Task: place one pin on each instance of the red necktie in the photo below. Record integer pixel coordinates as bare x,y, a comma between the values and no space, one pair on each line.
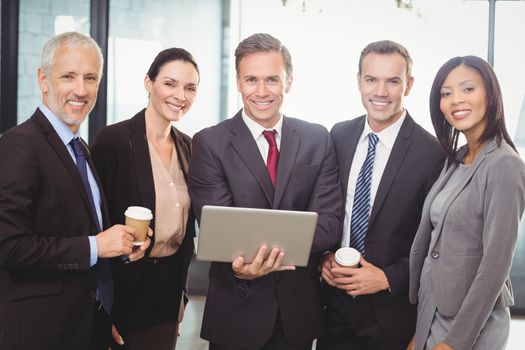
273,154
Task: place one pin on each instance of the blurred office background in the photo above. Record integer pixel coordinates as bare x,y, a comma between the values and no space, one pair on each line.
325,38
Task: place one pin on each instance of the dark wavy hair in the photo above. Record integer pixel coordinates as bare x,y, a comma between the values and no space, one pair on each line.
169,55
495,116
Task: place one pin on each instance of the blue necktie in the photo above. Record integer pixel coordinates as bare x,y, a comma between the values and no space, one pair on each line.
361,207
105,281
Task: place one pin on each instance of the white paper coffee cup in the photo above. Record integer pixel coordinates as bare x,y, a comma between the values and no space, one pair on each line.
348,257
139,218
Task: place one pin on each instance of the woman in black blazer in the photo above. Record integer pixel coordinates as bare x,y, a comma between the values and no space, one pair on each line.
143,161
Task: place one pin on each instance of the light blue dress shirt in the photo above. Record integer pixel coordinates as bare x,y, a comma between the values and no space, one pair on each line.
66,135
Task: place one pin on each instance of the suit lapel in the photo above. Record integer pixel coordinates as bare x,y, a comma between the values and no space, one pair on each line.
65,157
287,155
141,160
487,148
348,151
425,215
423,236
244,144
401,146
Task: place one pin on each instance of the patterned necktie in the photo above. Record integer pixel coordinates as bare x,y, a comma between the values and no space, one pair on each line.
361,207
105,281
82,169
273,154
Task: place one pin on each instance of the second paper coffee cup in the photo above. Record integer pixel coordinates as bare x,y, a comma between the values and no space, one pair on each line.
139,218
348,257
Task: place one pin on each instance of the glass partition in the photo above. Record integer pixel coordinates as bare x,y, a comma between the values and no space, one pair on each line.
39,21
509,56
139,29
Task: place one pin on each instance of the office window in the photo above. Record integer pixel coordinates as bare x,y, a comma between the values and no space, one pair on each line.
509,55
39,21
139,29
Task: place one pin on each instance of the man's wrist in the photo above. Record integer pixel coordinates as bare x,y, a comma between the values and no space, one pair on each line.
323,258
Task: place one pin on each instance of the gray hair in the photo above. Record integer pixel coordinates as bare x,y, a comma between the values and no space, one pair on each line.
262,42
386,47
69,40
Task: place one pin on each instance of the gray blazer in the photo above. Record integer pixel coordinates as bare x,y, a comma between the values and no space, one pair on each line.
477,232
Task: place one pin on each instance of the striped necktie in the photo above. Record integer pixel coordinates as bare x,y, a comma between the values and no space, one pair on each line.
361,207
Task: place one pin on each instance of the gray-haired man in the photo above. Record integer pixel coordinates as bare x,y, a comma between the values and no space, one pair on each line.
56,284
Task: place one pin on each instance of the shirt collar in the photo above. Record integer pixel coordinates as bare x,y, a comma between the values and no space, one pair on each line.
63,131
256,129
386,136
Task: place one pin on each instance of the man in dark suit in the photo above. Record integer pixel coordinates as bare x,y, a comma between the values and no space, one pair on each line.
56,285
264,305
368,307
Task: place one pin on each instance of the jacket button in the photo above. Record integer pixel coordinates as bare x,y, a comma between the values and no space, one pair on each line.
93,295
435,255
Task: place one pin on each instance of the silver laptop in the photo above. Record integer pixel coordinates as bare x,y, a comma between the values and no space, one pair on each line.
227,232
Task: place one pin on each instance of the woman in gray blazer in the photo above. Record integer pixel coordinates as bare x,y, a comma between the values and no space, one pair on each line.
461,256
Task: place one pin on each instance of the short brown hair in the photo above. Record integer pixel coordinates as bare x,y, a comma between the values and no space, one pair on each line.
262,42
386,47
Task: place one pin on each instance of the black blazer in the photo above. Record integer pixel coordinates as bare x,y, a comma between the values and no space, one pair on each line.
414,164
121,156
227,169
48,288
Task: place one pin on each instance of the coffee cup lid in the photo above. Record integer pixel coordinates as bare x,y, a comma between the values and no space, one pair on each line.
347,256
139,213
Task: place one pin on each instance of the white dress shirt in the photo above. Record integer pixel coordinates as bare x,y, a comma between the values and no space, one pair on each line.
256,130
387,137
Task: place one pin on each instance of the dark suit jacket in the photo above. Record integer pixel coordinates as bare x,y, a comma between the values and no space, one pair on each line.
121,156
49,288
227,169
413,166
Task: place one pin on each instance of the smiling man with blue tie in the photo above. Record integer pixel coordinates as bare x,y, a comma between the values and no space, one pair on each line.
387,164
56,287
